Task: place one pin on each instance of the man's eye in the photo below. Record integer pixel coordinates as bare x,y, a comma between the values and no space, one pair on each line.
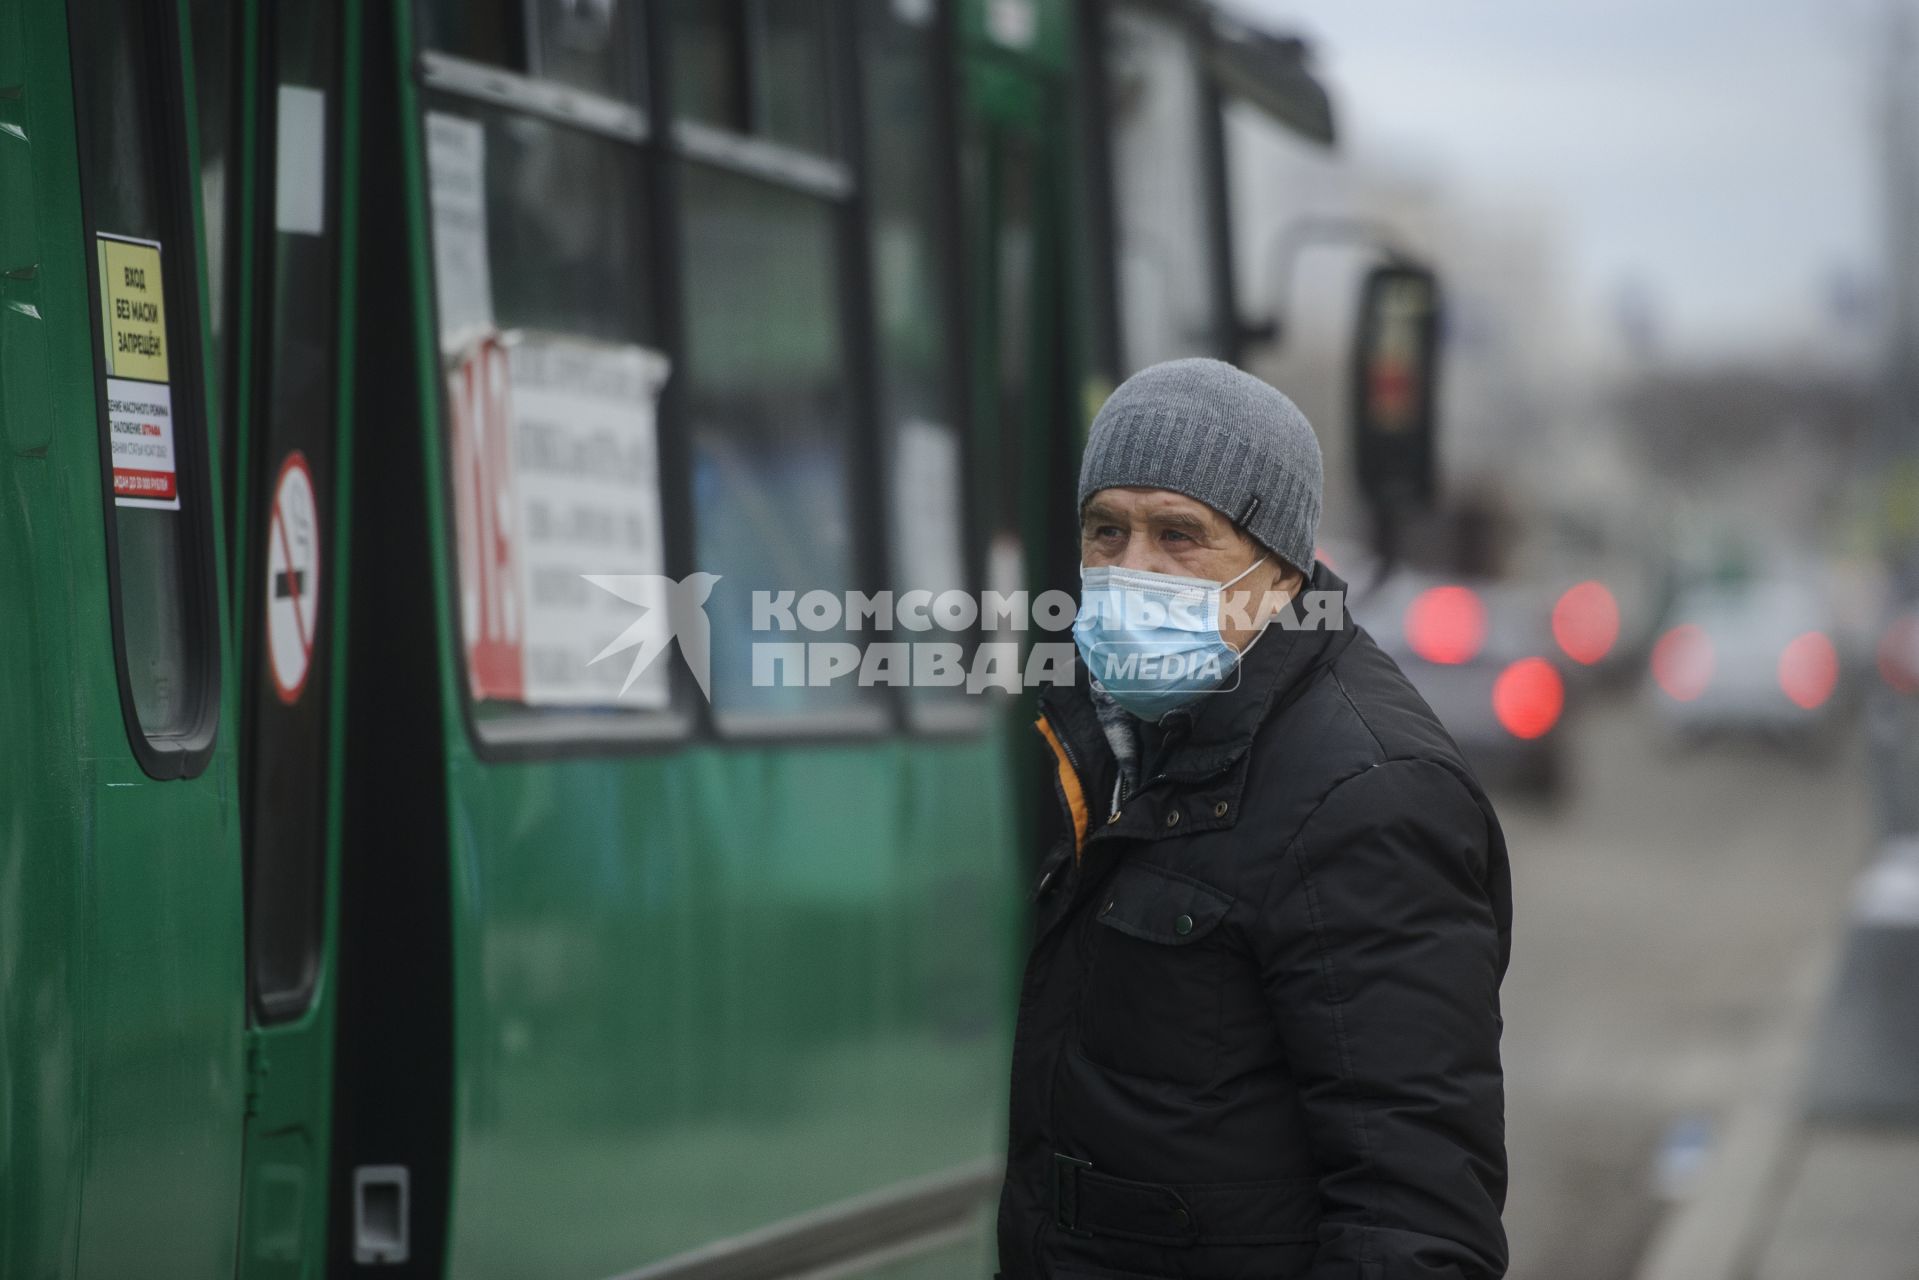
1175,535
1108,531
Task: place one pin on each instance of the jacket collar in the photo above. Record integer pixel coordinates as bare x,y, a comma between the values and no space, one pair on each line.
1210,735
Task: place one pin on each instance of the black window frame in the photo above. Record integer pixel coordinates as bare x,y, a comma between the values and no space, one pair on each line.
185,755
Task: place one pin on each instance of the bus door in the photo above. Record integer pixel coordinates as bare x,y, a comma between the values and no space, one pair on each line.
126,1067
289,384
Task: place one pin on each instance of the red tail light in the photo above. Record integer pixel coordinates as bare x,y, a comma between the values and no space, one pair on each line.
1446,625
1682,662
1586,622
1809,669
1528,697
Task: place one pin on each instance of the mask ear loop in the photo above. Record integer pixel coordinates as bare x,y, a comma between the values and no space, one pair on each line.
1262,626
1243,572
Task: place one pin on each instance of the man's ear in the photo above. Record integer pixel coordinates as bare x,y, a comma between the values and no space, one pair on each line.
1285,577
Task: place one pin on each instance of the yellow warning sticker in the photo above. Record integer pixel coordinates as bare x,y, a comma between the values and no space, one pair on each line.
133,304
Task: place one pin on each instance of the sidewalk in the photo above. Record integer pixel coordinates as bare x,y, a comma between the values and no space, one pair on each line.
1792,1193
1849,1210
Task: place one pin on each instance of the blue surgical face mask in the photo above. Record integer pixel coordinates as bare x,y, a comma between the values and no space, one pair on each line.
1151,640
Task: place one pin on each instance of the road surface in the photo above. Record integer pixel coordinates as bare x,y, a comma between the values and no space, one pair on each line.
1662,911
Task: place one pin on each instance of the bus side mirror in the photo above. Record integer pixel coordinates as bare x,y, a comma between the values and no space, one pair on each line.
1395,385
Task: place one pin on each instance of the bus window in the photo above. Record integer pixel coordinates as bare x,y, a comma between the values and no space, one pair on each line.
143,265
769,410
1156,104
911,209
572,265
756,67
540,178
214,36
291,587
594,46
772,415
1001,167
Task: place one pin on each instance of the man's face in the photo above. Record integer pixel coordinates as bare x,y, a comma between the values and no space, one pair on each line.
1160,531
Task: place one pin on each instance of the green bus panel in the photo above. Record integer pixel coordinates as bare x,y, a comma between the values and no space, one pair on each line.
121,1081
703,992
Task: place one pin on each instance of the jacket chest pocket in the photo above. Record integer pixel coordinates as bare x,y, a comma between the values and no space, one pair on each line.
1151,1005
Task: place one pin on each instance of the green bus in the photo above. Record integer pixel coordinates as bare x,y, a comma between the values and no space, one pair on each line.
381,382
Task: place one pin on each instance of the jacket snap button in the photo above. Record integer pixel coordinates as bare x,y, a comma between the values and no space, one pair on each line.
1180,1216
1183,925
1108,907
1219,810
1172,819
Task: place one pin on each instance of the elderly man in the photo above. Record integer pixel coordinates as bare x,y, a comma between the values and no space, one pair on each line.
1259,1029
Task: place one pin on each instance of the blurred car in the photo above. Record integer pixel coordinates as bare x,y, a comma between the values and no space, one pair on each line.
1483,656
1616,579
1752,658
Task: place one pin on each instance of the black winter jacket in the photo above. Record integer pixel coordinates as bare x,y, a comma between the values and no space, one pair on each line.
1259,1028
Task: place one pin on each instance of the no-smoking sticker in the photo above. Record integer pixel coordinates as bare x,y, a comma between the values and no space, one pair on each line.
293,577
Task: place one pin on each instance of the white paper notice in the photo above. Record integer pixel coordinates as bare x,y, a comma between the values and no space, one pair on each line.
140,424
586,466
299,162
928,523
456,177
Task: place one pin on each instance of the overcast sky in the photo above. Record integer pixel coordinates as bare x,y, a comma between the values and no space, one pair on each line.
1720,152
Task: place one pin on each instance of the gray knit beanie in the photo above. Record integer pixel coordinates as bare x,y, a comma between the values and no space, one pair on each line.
1220,436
